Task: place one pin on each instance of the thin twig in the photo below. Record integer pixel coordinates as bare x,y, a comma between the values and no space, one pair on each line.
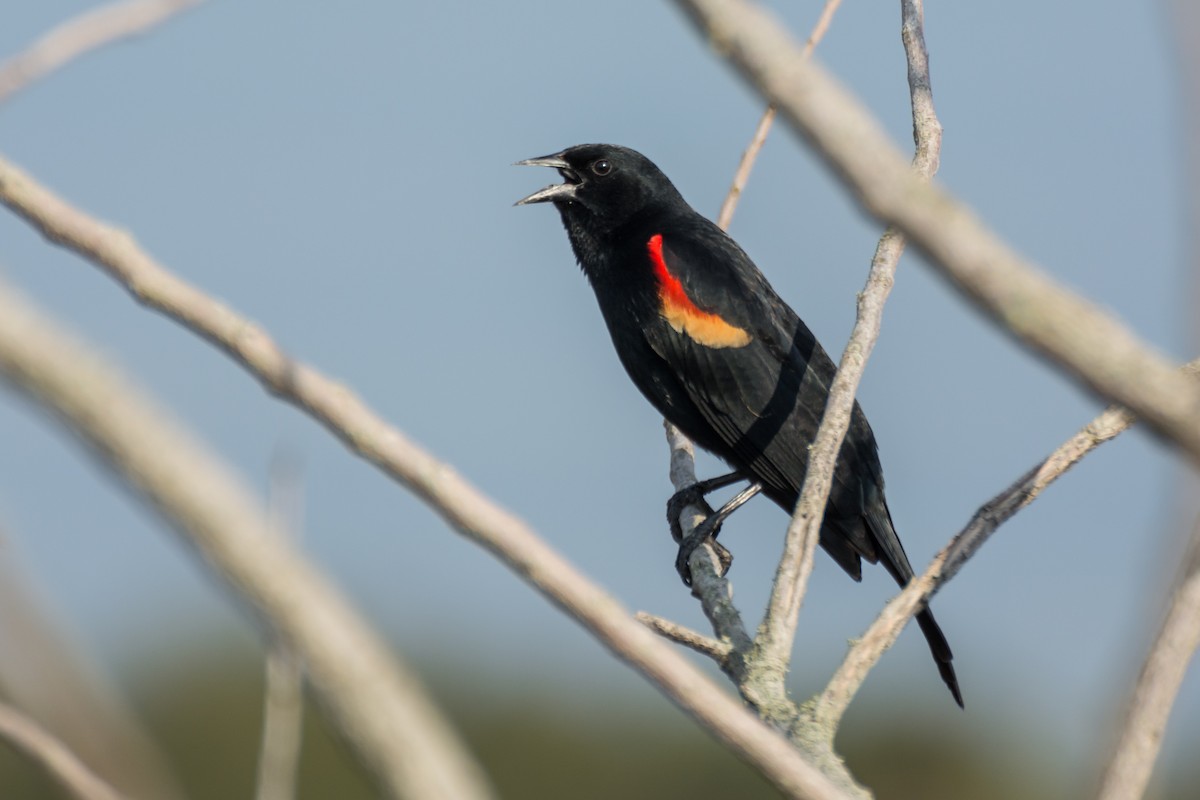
1072,332
1108,425
778,630
38,744
725,215
380,708
832,703
742,175
283,696
1132,762
716,650
463,506
82,34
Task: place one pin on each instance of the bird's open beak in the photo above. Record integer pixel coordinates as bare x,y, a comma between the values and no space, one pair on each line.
558,191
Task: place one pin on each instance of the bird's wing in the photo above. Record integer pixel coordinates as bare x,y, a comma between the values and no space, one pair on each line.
761,393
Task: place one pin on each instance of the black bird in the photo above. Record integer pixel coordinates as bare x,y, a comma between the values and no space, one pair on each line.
719,354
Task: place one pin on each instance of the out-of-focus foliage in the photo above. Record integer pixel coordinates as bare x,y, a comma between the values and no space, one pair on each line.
206,712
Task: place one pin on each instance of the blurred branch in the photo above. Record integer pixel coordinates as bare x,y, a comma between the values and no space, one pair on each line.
283,724
283,696
1184,26
1132,759
1073,333
778,630
44,672
1132,762
764,125
86,32
381,709
1183,22
458,502
72,774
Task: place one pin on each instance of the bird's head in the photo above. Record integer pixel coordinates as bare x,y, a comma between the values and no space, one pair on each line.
606,182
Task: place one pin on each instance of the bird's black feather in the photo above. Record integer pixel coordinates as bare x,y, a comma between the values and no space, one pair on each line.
718,353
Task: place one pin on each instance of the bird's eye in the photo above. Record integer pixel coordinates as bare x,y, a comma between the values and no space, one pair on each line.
601,167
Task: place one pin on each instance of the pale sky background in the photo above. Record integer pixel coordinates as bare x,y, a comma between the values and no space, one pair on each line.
341,174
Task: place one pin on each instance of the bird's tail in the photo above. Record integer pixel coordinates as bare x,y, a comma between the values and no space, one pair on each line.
941,652
879,521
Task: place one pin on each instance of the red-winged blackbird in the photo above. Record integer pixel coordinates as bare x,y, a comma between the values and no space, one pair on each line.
714,348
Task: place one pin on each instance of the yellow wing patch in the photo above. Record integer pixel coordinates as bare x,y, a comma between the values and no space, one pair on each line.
706,329
683,315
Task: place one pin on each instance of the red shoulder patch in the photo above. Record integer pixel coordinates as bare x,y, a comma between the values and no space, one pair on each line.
682,314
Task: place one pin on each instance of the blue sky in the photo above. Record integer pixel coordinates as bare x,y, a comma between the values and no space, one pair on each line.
342,175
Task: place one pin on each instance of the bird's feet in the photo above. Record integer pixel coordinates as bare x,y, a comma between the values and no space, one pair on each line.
706,531
694,496
690,496
711,526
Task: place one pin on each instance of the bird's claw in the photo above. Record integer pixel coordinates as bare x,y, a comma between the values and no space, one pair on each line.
704,533
689,496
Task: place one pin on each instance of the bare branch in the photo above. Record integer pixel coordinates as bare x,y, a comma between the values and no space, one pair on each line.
778,630
716,600
86,32
1132,762
708,585
380,708
72,774
1072,332
463,506
927,129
